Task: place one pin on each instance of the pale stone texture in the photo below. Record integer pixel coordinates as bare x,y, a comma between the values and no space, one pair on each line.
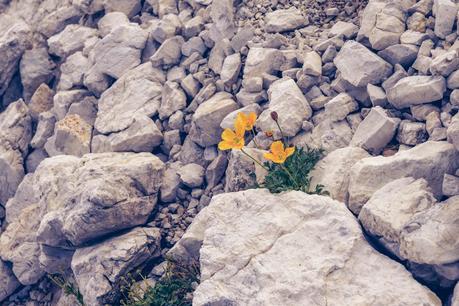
8,282
70,40
430,160
241,267
284,20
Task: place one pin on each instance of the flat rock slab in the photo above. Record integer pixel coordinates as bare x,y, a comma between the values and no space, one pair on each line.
257,248
284,20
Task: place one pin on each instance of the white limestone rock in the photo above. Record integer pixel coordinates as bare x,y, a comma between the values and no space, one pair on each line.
284,20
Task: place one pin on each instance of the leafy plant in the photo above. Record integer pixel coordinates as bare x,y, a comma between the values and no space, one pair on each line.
171,290
294,173
68,287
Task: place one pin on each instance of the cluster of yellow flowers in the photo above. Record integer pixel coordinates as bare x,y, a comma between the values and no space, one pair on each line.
235,139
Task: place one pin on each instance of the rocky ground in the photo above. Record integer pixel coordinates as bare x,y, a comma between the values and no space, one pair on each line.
110,113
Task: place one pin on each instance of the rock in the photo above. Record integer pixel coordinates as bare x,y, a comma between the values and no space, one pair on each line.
312,64
242,172
411,133
445,15
284,20
340,106
228,121
430,160
45,129
128,7
99,269
230,69
34,159
375,131
393,206
36,68
74,201
70,40
110,21
347,29
73,136
138,92
191,175
221,12
284,95
205,130
414,90
8,282
402,54
14,41
388,27
216,170
377,95
169,52
450,185
191,153
41,101
455,298
333,171
262,60
427,239
445,64
141,136
172,99
453,133
318,271
359,66
171,183
72,71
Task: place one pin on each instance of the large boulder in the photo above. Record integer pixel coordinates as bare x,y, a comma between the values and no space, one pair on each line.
430,160
69,201
359,66
257,248
99,269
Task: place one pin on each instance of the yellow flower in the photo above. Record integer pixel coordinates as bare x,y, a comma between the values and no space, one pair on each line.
248,121
278,154
233,139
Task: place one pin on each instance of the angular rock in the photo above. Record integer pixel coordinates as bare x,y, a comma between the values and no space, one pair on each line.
377,95
99,269
333,271
312,64
242,172
45,129
221,12
445,64
128,7
169,52
171,183
375,131
216,170
411,133
73,70
284,96
427,237
445,15
262,60
41,101
172,99
230,69
414,90
191,175
228,121
73,136
70,40
359,66
333,171
284,20
8,282
392,207
110,21
347,29
450,185
430,160
205,130
340,106
402,54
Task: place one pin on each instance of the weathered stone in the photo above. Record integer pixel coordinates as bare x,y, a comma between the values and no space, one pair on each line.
216,170
411,133
138,92
402,54
377,95
99,269
427,237
375,131
393,206
333,171
70,40
453,133
340,106
312,64
128,7
415,90
73,135
169,52
8,282
206,129
64,99
284,20
110,21
262,60
359,66
56,21
347,29
284,95
221,12
171,183
34,159
338,270
445,64
72,71
450,185
41,101
445,15
242,172
172,99
191,175
430,160
230,69
228,121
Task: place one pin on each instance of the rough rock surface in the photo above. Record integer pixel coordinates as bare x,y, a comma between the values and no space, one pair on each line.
240,267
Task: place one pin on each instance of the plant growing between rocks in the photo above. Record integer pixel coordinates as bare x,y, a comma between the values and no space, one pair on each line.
288,167
67,287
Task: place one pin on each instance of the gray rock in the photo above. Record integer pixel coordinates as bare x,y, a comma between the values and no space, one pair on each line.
138,92
45,129
64,99
284,95
171,183
359,66
242,172
284,20
453,80
336,270
340,106
8,282
205,129
415,90
453,133
191,153
99,269
230,69
221,12
228,121
128,7
445,15
312,64
41,101
402,54
13,43
55,21
411,133
216,170
388,26
375,131
141,136
73,136
193,45
450,185
347,29
110,21
169,53
34,159
72,71
377,95
430,160
427,239
70,40
445,64
262,60
172,99
191,175
392,207
74,201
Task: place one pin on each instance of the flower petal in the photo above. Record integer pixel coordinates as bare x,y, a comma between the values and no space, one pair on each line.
228,134
252,118
290,151
239,125
277,147
224,145
269,156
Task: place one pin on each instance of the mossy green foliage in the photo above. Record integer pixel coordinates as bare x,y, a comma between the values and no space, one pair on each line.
294,174
171,290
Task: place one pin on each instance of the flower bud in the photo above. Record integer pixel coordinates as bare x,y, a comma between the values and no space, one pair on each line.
269,133
274,116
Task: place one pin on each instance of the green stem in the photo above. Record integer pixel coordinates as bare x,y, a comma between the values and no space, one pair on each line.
242,150
282,133
290,175
254,141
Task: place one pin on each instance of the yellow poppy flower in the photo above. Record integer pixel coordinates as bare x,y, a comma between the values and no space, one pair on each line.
278,153
248,121
233,139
